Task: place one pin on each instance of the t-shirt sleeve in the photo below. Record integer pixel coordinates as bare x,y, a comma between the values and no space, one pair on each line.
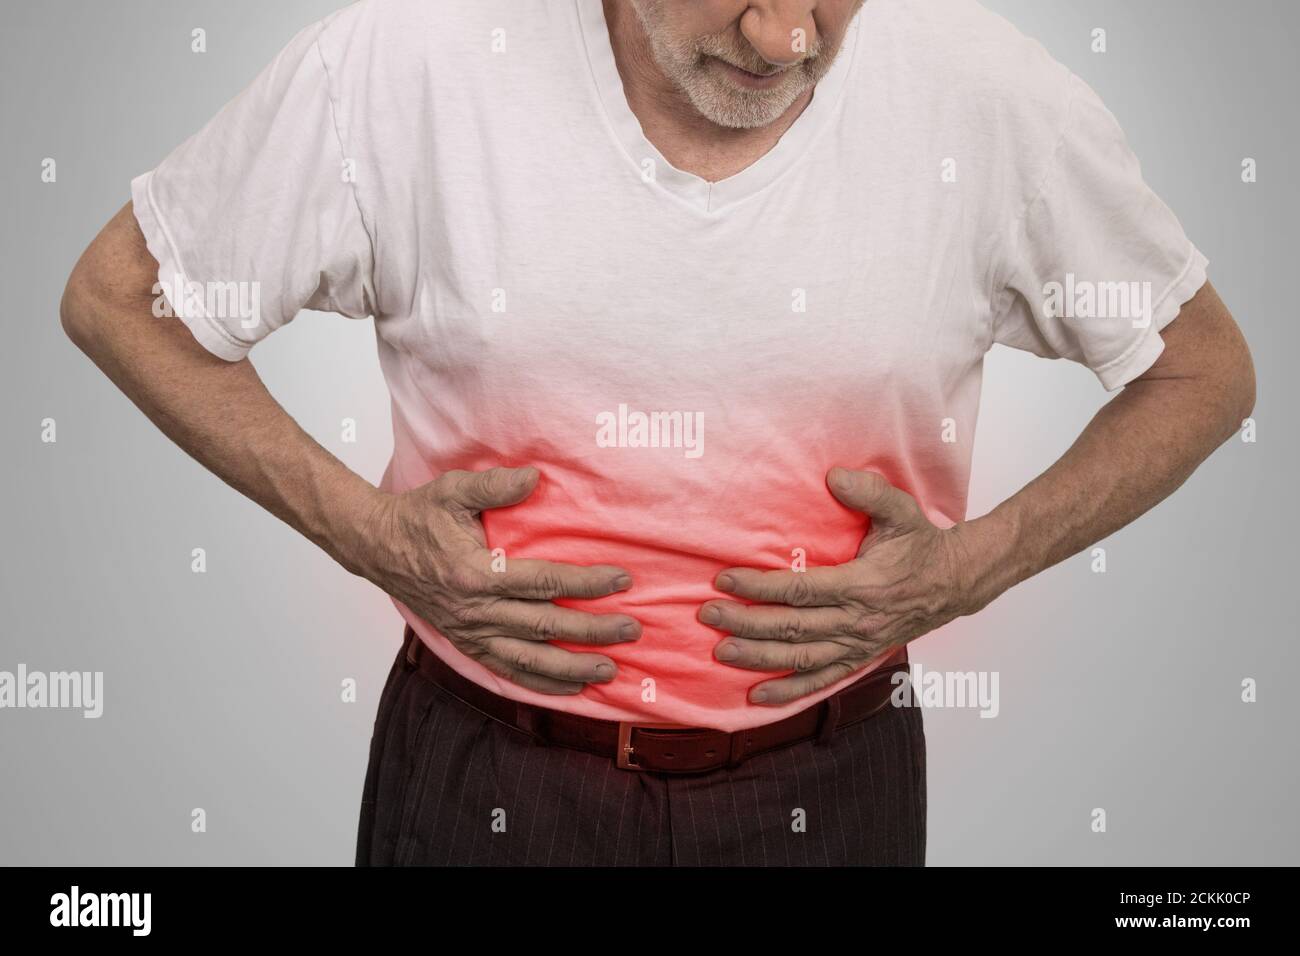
1095,265
255,218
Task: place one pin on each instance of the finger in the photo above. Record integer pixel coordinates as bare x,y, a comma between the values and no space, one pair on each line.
816,587
546,580
783,690
543,685
776,656
544,621
546,660
777,622
495,488
872,494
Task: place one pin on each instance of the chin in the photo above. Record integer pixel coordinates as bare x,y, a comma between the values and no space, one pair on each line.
726,108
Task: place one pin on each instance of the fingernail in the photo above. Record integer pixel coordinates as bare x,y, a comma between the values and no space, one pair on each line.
725,583
758,697
726,652
622,582
710,615
605,671
629,631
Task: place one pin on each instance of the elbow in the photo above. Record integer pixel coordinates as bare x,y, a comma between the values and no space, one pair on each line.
1244,387
75,313
1236,391
106,281
81,308
1247,400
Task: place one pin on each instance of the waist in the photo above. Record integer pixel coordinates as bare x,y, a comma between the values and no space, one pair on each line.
665,746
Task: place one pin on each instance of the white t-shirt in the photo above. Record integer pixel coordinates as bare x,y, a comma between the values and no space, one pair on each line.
683,361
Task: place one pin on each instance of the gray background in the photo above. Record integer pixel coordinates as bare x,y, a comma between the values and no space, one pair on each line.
1119,691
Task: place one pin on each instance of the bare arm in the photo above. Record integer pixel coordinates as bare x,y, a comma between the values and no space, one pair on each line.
1137,450
425,547
911,577
219,412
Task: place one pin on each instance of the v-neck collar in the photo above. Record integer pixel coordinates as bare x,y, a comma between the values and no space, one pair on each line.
697,192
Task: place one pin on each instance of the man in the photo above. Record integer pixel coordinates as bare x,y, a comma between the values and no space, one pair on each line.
683,306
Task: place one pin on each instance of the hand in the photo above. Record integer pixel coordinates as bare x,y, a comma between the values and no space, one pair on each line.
825,623
426,548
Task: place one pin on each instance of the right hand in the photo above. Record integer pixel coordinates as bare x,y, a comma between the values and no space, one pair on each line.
426,547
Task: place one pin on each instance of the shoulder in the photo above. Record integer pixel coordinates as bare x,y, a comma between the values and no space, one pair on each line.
965,61
953,77
370,30
438,36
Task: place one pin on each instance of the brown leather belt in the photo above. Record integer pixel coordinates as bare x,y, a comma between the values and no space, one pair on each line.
662,748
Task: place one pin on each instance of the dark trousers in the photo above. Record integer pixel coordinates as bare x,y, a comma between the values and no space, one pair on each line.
448,785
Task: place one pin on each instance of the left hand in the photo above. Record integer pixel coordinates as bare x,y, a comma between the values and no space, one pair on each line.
825,623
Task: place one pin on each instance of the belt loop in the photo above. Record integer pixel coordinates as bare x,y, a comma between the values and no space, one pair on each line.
738,745
526,720
830,719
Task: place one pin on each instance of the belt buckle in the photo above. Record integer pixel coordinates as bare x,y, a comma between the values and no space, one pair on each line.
625,749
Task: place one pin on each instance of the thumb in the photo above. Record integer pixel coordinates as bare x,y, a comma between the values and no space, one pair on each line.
872,494
494,488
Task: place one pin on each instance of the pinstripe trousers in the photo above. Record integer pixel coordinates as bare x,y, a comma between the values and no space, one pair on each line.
448,785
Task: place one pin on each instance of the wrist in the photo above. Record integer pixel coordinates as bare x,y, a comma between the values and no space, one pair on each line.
351,535
988,557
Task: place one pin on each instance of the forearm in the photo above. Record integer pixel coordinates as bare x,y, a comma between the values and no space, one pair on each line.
1135,452
219,412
